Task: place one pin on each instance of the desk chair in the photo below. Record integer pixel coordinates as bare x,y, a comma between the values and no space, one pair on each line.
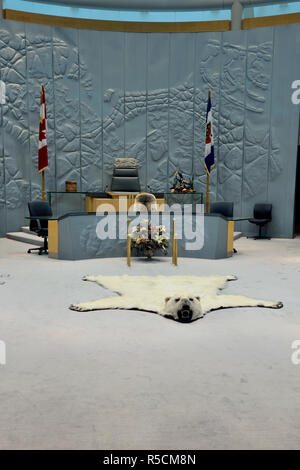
223,208
39,226
125,175
262,215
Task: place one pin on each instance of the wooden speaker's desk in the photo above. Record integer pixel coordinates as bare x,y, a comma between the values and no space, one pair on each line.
116,202
74,236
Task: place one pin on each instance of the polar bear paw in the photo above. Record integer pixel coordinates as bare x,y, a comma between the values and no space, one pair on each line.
278,305
78,308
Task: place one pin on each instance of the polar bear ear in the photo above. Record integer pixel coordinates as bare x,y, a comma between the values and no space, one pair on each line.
198,298
167,299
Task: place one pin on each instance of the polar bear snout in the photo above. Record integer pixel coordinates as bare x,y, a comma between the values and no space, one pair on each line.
183,309
185,314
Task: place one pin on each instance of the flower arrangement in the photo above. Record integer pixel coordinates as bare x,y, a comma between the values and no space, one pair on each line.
182,186
147,239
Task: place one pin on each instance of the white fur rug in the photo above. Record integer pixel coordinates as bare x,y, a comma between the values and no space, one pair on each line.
149,293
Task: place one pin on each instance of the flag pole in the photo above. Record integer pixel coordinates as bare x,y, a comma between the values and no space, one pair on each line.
207,192
43,185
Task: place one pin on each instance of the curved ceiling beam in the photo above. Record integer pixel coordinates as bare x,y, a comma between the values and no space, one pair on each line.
153,5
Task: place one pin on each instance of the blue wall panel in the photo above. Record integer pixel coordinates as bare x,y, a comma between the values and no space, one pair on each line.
91,92
181,104
67,105
39,70
115,94
135,83
284,124
232,118
113,45
15,123
257,119
158,111
208,56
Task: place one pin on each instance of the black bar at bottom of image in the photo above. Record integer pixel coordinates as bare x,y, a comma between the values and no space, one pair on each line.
127,458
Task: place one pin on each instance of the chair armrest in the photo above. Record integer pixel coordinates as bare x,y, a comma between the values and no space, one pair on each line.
240,219
38,220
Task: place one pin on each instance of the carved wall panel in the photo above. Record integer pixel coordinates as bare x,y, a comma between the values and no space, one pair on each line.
115,94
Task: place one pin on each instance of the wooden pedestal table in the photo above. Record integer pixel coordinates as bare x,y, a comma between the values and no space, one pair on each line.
174,245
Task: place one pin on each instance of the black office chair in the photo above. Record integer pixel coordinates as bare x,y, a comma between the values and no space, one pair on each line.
125,176
39,226
223,208
262,214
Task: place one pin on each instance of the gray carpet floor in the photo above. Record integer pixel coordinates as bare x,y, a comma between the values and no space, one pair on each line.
133,380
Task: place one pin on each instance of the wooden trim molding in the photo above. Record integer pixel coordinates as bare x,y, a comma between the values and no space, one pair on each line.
230,237
265,21
127,26
53,238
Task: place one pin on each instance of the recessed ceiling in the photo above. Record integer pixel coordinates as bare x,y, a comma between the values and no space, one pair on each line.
149,5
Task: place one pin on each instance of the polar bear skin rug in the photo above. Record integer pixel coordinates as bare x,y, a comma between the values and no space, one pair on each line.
181,298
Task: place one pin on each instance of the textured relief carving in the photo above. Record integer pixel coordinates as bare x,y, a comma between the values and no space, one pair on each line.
94,247
36,192
155,183
162,128
157,139
209,63
231,122
256,161
13,73
258,152
89,241
2,187
181,104
260,64
38,63
40,70
16,188
276,164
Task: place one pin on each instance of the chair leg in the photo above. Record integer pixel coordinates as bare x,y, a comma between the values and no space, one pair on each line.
260,237
33,249
41,249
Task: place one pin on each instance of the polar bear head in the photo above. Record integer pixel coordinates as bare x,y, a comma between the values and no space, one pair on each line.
183,309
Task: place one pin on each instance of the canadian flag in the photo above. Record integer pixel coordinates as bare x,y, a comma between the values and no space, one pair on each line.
43,152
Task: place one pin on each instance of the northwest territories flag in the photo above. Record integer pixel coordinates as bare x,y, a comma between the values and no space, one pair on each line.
43,153
209,154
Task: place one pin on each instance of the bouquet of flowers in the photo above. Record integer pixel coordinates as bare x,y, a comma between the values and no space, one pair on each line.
182,186
148,239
